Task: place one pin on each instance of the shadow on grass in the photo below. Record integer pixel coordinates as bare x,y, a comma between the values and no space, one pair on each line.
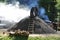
19,37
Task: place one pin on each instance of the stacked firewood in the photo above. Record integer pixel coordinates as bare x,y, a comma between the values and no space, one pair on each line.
19,32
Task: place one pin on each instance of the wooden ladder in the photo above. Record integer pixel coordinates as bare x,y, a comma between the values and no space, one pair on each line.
31,25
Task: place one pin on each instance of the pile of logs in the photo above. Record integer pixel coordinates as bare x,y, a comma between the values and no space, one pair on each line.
19,32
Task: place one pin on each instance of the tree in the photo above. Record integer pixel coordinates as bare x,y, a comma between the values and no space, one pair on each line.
2,0
50,8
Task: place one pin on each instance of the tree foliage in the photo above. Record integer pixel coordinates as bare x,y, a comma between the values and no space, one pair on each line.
2,0
58,9
50,8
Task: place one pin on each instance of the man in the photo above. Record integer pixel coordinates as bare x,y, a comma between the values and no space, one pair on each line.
54,26
34,12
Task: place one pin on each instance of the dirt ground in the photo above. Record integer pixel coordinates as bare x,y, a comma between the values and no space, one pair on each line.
44,35
33,35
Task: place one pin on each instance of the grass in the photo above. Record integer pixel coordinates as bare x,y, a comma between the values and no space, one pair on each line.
28,38
44,38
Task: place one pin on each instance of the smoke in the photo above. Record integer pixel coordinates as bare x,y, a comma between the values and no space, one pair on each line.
42,14
13,13
29,3
19,9
34,3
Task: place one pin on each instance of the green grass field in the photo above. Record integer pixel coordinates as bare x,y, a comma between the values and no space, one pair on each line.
28,38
